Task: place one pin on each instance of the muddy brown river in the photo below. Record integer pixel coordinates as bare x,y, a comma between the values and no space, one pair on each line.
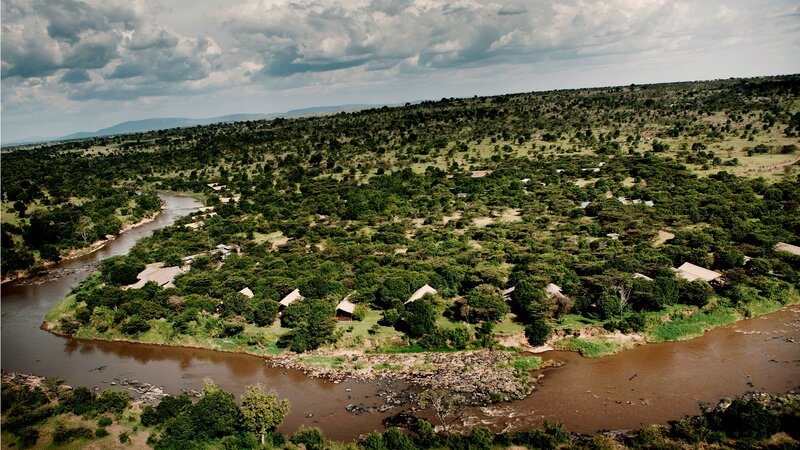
649,384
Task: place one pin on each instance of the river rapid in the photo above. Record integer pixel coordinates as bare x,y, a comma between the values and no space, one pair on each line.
649,384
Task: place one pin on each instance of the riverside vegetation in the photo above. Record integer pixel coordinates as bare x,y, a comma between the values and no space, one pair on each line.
41,413
585,190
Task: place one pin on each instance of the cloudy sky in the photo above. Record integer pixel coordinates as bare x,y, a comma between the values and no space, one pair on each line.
72,65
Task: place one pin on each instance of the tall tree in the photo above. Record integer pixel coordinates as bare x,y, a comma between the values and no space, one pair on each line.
263,411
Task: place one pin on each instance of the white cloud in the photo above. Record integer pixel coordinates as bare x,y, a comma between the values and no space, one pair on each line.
95,55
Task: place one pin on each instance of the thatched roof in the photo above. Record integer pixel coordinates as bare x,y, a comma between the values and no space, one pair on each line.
247,292
690,272
162,276
788,248
291,297
420,293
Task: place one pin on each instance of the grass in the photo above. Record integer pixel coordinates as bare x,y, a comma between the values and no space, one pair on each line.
590,347
385,366
526,362
508,326
60,309
576,322
761,307
682,327
327,362
355,332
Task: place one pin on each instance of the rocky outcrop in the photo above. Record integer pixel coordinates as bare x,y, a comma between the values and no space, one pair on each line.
478,376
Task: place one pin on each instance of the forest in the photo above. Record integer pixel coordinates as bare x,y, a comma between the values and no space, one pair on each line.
536,214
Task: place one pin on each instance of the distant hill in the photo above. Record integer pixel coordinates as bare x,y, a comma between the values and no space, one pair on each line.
163,123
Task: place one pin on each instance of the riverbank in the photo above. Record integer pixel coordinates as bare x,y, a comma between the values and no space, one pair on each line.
479,376
46,267
42,412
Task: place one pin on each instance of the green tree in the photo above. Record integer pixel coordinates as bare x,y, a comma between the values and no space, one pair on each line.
216,414
419,317
538,331
262,412
484,303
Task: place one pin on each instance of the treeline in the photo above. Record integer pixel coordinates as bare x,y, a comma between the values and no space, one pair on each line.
34,417
57,225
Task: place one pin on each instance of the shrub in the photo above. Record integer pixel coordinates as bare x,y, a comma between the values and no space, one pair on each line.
134,325
373,441
537,332
312,438
112,401
62,433
104,421
749,419
395,440
27,437
696,292
360,312
426,435
79,401
101,432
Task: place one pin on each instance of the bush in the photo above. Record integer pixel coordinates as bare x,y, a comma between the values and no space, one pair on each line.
373,441
426,435
104,421
696,292
748,419
22,395
112,401
395,440
27,437
79,401
264,312
636,322
360,313
230,329
134,325
149,416
537,332
390,317
62,433
101,432
312,438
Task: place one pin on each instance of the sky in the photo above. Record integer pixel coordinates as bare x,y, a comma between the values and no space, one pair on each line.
71,65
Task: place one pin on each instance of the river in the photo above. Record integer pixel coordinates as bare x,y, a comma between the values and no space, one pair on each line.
649,384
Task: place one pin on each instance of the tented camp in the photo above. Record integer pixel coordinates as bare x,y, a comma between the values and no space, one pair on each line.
157,273
420,293
247,292
291,298
690,272
345,308
788,248
553,290
641,276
